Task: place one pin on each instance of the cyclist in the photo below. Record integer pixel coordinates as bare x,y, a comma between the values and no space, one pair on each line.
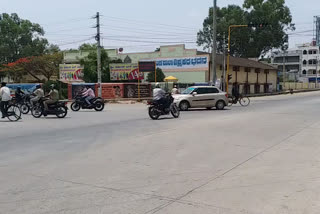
5,98
235,91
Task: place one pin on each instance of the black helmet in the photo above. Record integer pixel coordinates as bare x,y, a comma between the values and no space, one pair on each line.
38,86
19,88
3,84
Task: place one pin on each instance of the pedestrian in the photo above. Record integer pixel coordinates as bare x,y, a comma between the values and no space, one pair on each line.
5,98
218,83
174,90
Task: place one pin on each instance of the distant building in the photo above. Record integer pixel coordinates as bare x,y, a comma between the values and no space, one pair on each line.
192,66
300,63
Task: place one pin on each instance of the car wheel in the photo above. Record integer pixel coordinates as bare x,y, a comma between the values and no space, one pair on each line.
220,105
184,106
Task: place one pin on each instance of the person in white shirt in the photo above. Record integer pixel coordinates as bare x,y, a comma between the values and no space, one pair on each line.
38,93
174,90
5,98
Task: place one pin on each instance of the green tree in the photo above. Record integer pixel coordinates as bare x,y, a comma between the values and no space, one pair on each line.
249,42
20,38
90,66
160,76
46,65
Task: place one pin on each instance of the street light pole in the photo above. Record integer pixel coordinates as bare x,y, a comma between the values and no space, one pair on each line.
214,42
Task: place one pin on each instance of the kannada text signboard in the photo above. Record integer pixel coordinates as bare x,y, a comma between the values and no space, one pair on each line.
70,72
192,63
125,71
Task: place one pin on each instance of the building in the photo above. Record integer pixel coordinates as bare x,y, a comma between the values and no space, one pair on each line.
303,62
192,66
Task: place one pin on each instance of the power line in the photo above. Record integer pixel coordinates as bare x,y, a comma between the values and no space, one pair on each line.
144,30
67,21
149,23
155,42
75,42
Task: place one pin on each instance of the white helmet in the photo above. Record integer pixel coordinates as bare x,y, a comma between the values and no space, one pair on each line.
157,85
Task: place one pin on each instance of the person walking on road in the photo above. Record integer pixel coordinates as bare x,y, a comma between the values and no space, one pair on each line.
5,98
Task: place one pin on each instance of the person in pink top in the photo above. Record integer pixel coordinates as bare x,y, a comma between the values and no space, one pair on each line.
88,94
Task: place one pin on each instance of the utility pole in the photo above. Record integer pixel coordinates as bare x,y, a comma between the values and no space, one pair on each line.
214,42
98,54
317,72
224,63
283,70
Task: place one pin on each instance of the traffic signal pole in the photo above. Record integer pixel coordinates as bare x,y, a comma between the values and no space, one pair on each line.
228,59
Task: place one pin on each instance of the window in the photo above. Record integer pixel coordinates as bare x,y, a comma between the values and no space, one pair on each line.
236,68
202,91
314,71
213,90
314,52
310,62
220,67
257,70
310,51
304,62
305,52
304,72
248,70
314,61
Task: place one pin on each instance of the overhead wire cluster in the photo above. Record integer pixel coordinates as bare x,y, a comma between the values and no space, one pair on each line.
119,32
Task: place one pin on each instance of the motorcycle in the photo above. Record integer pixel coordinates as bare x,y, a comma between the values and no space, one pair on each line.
156,110
59,109
97,103
25,105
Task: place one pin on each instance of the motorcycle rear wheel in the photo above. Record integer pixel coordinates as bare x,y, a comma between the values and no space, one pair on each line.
24,108
75,106
98,106
153,113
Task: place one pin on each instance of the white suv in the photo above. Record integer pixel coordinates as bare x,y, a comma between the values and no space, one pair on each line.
201,97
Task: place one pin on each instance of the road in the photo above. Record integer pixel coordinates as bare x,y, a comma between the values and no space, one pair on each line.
260,159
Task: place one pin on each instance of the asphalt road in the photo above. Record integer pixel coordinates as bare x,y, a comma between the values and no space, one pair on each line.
260,159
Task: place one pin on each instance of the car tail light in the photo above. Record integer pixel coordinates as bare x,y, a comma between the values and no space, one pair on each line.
149,102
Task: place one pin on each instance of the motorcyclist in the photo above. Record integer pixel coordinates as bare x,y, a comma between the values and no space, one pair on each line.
88,95
159,95
53,98
38,93
19,94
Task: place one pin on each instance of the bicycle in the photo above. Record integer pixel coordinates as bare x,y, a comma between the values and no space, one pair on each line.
13,112
243,100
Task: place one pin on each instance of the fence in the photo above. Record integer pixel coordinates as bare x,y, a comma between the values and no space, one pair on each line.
298,86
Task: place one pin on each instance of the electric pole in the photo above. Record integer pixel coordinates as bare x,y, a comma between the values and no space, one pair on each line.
214,42
317,60
224,63
98,54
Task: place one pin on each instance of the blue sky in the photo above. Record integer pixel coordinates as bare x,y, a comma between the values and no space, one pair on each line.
137,25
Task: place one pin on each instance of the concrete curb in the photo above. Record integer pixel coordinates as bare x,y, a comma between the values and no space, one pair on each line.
283,93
